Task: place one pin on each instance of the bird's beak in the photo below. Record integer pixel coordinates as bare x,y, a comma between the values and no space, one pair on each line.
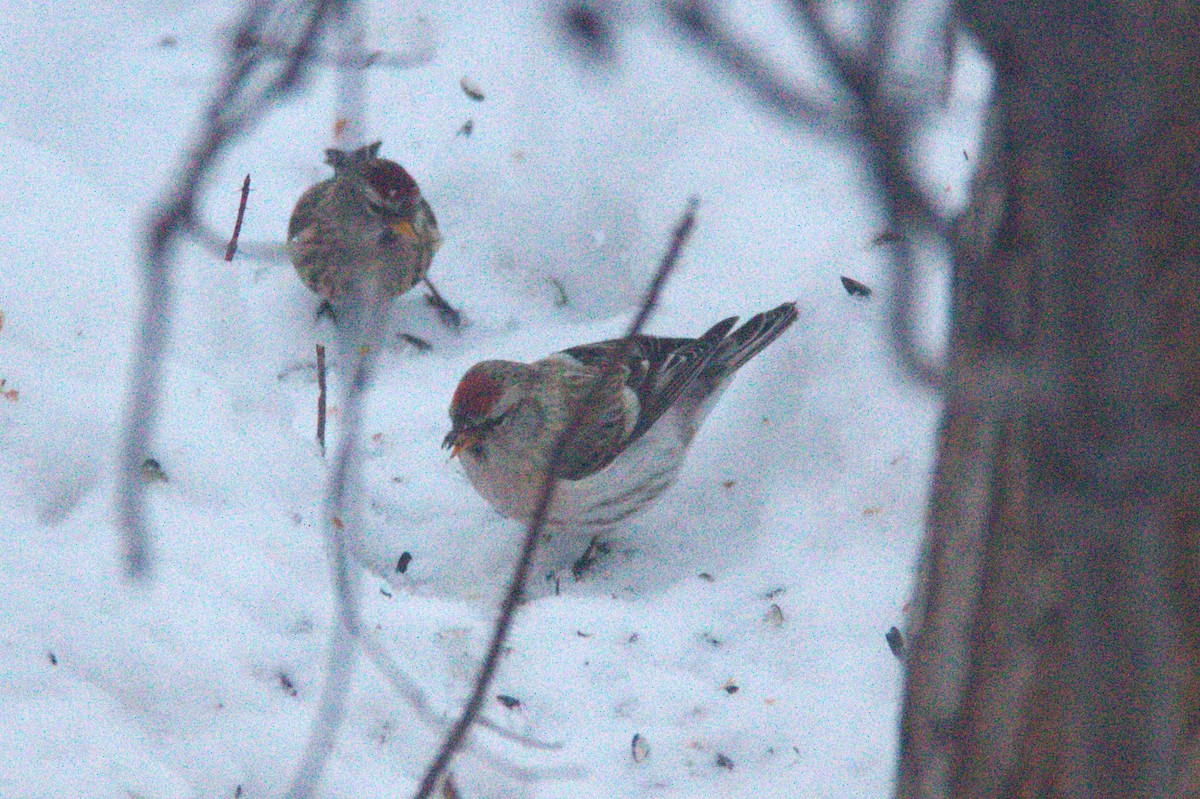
457,440
404,230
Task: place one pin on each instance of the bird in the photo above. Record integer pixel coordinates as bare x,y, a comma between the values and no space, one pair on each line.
365,233
637,403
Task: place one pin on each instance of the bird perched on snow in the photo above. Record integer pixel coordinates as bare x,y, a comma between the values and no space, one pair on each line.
366,232
631,437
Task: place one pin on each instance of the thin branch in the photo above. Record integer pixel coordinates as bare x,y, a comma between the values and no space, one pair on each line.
880,14
867,113
700,23
237,105
886,128
231,250
537,521
321,398
214,242
682,231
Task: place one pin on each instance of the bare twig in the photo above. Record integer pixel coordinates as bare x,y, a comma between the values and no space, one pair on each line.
242,98
321,398
537,521
650,302
700,23
231,250
869,113
886,128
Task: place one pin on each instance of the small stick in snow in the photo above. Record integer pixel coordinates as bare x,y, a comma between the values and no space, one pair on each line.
419,344
231,250
321,398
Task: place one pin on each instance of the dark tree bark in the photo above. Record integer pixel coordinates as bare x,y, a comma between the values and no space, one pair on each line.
1055,644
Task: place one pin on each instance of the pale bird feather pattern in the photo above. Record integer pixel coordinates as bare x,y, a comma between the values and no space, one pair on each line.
630,441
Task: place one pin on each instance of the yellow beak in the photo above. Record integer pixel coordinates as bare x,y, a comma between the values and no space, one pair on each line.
404,230
462,441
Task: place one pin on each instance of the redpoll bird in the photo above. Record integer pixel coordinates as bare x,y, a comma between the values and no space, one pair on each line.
366,232
630,441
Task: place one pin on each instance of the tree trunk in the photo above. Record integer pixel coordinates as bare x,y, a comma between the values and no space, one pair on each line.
1055,641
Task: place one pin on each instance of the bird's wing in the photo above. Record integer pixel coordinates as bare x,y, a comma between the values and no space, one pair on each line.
600,425
655,369
744,343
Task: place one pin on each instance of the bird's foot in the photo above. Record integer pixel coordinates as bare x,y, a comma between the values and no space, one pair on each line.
446,312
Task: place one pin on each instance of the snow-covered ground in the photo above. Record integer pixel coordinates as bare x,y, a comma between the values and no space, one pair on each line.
738,628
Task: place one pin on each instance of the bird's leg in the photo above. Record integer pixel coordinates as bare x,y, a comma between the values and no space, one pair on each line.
596,549
446,312
326,309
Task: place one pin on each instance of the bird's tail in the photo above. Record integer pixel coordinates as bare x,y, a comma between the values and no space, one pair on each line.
747,341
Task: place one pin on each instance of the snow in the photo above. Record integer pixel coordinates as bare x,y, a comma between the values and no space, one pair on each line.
738,628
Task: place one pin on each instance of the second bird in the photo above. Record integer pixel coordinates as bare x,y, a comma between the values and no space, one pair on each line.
364,233
631,434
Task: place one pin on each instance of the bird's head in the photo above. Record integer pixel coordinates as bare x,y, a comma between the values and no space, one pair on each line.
487,393
388,185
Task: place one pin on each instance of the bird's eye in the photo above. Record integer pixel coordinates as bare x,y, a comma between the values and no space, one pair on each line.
477,451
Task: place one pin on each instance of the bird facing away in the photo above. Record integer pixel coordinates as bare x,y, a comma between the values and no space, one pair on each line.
364,233
631,438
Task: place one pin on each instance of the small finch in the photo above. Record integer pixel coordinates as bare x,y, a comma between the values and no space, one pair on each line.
366,232
631,439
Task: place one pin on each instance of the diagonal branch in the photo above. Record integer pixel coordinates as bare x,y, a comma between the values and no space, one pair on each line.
487,670
700,23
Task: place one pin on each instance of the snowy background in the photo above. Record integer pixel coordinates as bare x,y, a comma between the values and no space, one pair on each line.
738,629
